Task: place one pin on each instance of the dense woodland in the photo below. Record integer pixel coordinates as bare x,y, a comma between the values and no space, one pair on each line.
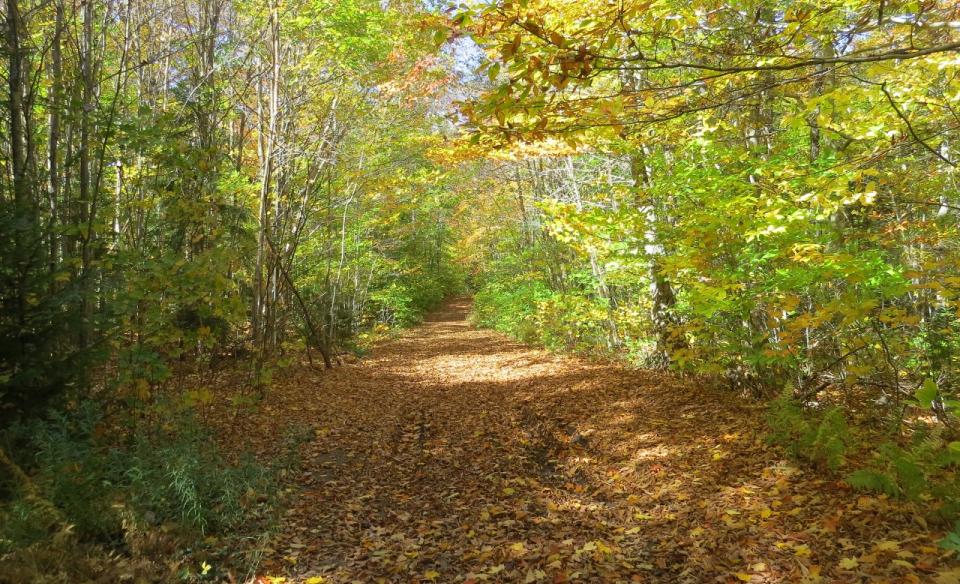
200,198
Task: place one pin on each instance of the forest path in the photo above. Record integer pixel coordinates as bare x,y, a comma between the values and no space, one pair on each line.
453,454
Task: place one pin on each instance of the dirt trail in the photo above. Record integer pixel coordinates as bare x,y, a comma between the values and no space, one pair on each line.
453,454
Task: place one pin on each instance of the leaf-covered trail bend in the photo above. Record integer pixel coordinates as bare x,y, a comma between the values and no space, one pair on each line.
453,454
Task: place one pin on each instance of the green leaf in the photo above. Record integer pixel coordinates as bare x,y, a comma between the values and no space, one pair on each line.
952,540
927,393
867,479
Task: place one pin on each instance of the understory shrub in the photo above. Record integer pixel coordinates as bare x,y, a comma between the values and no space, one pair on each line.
403,301
573,321
511,307
922,467
822,438
104,485
923,470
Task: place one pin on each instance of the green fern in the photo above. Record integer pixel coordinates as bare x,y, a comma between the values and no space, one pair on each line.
830,440
823,439
867,479
154,477
921,470
952,540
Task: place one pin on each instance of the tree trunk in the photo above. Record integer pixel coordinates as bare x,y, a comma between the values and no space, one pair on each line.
53,156
86,196
268,138
23,214
662,296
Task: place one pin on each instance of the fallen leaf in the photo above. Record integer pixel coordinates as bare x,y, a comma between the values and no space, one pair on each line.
849,563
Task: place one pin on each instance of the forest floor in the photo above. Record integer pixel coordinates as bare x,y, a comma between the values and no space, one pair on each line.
453,454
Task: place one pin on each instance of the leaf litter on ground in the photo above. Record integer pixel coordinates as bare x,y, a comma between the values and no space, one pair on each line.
453,454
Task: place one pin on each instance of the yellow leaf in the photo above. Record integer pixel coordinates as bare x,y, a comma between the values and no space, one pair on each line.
948,576
759,567
509,491
887,546
744,576
518,548
802,550
849,563
813,576
431,575
315,580
534,575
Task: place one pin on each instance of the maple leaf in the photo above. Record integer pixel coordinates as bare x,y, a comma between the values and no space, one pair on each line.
849,563
534,575
886,546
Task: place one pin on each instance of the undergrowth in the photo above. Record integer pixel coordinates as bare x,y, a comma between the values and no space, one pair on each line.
161,489
575,322
920,466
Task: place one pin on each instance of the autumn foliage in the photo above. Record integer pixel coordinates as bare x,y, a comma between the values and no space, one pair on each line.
725,234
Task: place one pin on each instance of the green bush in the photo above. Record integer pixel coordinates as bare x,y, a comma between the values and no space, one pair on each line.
404,300
576,321
511,308
170,474
394,305
822,438
573,322
924,469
